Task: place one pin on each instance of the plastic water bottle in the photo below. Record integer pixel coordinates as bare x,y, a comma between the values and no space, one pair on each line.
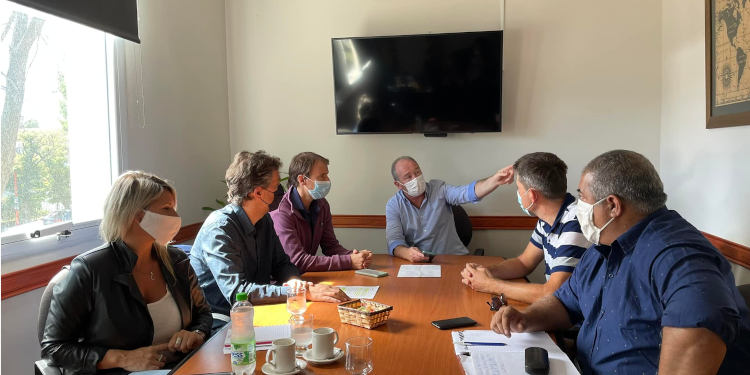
243,336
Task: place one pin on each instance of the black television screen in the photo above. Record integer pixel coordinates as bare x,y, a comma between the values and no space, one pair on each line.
434,83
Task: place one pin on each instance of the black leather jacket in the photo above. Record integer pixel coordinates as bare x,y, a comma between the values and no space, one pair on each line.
99,307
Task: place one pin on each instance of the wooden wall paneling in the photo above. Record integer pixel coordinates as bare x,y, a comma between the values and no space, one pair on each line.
18,282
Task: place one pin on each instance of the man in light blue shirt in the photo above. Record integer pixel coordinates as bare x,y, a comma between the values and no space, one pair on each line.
419,217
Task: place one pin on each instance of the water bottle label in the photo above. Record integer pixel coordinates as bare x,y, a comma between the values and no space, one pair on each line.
243,354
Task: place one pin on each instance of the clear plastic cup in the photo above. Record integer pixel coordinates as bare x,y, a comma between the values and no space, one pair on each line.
359,355
302,327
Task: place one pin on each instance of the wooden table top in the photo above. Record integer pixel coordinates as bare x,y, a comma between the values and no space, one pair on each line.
408,343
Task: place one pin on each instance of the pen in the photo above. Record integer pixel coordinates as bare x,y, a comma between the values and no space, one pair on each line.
481,343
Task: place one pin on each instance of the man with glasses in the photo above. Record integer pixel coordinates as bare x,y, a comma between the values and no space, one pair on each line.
419,219
303,220
542,183
237,250
652,295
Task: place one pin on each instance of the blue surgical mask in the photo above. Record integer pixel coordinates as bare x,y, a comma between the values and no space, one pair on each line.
321,189
525,209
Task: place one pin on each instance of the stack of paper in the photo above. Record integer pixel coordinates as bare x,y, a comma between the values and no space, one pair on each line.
263,336
429,270
509,358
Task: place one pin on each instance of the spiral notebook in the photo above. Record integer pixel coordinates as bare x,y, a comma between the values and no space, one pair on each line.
509,358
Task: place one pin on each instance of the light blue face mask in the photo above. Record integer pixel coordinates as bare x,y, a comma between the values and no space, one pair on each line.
525,209
321,189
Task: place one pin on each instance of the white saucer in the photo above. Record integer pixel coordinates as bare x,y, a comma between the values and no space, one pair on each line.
337,354
268,370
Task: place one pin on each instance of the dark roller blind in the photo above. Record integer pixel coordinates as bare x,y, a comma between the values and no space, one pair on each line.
117,17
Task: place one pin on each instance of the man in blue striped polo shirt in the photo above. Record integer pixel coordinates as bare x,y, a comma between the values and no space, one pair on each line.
557,239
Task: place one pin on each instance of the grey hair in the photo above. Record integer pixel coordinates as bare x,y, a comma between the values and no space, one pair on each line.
132,192
544,172
628,175
398,159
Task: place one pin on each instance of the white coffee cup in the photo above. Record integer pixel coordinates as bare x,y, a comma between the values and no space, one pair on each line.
323,340
283,355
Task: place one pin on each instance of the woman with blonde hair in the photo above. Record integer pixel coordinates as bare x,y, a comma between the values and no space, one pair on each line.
133,303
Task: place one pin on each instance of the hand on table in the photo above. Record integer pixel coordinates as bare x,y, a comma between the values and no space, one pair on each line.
360,258
296,284
477,277
507,320
413,254
185,341
326,293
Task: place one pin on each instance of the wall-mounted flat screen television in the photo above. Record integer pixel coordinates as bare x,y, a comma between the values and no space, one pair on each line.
432,83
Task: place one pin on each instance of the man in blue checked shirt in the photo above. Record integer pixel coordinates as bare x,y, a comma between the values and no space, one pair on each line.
652,294
419,217
542,182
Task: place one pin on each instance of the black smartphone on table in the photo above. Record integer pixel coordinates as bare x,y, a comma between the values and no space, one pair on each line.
454,323
429,254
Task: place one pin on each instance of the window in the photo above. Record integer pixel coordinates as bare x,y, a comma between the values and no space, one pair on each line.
59,137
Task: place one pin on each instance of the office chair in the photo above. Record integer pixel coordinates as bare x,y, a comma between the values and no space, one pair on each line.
463,227
185,248
745,292
43,366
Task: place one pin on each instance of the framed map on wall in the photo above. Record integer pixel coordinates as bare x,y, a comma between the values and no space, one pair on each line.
727,68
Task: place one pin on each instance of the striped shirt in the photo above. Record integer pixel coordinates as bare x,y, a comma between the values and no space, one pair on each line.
562,242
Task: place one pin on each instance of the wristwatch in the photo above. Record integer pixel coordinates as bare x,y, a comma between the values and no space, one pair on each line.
201,333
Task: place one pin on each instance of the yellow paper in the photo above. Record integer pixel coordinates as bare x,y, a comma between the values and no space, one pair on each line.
272,315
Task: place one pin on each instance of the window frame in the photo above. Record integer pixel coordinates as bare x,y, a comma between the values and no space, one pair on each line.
124,81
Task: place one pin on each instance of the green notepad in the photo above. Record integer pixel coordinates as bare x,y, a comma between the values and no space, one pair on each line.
371,273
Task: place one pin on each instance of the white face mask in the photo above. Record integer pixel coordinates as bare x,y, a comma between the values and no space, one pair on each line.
585,215
162,228
416,186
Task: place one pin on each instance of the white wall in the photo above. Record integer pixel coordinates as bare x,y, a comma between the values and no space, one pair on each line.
575,82
705,171
185,137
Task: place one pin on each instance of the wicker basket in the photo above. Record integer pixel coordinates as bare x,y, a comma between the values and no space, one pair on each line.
349,313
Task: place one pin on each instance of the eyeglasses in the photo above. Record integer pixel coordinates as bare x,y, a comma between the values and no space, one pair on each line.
497,302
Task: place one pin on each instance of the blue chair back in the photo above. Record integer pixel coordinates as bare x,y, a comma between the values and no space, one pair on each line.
184,248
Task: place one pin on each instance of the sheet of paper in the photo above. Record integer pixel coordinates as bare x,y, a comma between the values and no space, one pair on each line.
366,292
506,359
490,363
477,335
272,315
263,336
427,270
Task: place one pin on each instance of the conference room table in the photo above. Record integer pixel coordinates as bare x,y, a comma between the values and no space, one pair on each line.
407,344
